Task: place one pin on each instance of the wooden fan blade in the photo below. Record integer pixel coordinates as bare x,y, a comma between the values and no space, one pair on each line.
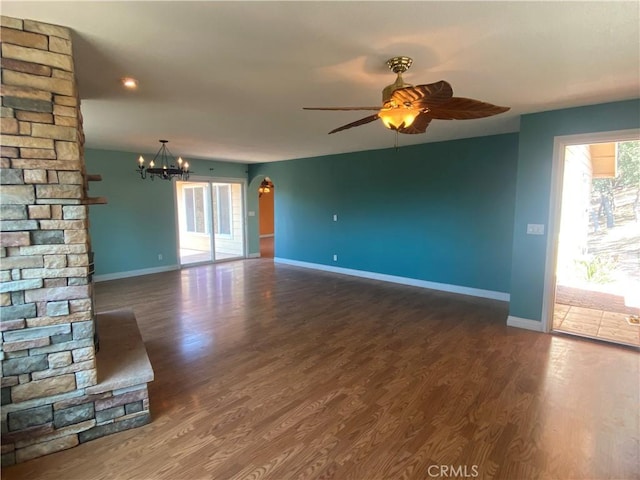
419,124
357,123
458,108
341,108
424,95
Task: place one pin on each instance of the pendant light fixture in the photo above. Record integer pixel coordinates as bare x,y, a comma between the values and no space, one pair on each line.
168,167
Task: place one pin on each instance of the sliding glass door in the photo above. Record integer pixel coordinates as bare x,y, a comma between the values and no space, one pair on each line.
210,221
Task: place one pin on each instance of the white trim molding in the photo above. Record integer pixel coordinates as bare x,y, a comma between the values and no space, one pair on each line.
254,255
525,323
475,292
134,273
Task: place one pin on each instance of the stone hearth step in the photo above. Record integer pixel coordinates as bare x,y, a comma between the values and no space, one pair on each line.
122,360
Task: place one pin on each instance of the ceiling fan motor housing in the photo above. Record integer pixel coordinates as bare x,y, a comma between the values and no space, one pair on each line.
398,65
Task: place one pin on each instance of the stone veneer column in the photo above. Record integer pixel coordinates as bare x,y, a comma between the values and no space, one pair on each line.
47,312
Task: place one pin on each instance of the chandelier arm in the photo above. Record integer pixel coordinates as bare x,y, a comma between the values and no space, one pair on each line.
160,152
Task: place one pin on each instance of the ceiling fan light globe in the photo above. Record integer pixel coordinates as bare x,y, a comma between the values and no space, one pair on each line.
398,117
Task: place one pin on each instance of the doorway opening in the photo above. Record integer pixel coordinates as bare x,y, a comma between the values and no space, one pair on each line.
266,210
596,292
210,221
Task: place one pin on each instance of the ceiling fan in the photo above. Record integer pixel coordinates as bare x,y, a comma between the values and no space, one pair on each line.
409,109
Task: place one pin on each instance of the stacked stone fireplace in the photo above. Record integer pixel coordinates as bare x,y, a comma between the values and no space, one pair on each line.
56,391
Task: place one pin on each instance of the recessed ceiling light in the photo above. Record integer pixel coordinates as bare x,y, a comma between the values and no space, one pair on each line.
129,82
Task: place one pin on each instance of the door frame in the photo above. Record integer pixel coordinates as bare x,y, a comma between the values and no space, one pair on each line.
560,144
210,180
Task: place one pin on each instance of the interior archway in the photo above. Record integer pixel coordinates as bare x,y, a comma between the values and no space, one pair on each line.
261,218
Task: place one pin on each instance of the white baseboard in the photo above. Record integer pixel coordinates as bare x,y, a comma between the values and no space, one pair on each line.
525,323
254,255
134,273
267,235
475,292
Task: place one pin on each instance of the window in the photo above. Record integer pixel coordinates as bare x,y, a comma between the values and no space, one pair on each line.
222,208
194,203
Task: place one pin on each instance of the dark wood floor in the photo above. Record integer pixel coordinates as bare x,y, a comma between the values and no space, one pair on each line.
267,371
266,247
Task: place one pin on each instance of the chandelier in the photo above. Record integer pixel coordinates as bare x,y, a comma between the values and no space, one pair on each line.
265,187
167,168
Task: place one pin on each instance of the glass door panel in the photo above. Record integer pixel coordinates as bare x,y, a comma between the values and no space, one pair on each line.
228,220
194,222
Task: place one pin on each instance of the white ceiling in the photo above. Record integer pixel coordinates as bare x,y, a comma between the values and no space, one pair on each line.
228,80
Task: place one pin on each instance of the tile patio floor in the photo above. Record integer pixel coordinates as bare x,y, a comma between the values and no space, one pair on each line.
594,323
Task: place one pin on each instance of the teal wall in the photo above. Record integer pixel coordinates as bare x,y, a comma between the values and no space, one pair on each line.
532,204
440,212
138,223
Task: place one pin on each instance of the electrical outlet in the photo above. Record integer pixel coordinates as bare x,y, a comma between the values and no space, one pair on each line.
535,229
159,256
335,217
335,257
